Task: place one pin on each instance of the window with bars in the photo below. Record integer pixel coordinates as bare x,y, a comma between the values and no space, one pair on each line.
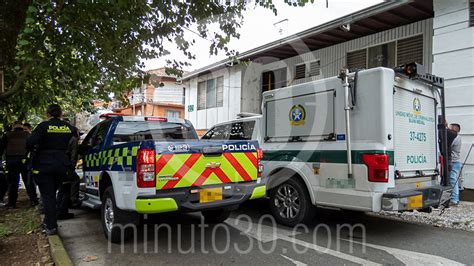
300,71
210,93
471,13
410,50
357,59
314,68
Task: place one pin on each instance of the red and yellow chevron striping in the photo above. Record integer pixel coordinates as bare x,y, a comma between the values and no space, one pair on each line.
190,170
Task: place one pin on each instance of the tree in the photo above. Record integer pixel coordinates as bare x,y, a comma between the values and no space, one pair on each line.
74,51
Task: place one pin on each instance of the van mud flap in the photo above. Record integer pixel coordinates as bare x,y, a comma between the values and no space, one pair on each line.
416,199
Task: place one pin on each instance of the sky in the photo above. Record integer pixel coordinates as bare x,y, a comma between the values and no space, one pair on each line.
258,28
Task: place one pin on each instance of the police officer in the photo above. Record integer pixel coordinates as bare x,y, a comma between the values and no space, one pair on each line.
51,161
15,154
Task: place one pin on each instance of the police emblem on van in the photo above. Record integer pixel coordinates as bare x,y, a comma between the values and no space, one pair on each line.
297,115
416,106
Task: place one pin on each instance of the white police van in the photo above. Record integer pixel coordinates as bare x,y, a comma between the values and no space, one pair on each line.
368,143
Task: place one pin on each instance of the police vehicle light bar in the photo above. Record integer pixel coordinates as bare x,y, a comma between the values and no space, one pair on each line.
159,119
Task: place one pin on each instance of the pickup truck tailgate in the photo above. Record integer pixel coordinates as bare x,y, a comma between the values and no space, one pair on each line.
195,164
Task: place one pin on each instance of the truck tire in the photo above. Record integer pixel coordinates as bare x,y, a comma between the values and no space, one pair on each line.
118,225
215,216
291,204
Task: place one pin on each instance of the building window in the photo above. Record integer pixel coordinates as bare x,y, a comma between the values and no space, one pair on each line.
357,59
410,50
211,93
471,13
274,79
220,92
388,54
300,71
314,68
201,101
172,113
382,55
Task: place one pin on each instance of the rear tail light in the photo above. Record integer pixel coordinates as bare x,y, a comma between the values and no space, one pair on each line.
377,165
259,160
146,168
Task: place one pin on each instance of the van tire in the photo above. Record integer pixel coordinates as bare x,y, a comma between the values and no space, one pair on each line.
113,219
291,204
215,216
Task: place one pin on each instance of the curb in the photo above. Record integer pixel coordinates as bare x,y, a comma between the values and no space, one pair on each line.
58,252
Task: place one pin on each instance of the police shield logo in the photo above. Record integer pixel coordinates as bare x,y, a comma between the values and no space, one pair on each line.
416,106
297,115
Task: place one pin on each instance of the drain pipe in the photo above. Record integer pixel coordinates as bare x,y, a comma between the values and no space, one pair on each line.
343,75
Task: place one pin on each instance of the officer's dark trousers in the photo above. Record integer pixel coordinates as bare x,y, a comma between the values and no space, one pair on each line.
63,199
3,184
48,184
75,185
15,167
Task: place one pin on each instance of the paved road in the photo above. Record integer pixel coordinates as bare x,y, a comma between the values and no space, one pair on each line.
242,239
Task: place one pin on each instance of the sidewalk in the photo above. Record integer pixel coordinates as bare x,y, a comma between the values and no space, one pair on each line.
459,217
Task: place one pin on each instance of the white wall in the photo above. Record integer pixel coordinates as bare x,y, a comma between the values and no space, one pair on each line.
204,119
169,93
453,59
332,59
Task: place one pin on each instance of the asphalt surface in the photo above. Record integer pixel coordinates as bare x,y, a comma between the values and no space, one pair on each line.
242,239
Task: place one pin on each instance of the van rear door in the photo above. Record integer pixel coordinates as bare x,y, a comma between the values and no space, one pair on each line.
415,130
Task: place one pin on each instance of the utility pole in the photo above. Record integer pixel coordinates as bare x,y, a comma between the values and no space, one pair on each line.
142,96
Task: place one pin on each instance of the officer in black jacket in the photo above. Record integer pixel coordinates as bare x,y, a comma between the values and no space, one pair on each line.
51,140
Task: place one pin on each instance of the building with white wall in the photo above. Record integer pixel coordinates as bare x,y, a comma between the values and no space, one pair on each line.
439,34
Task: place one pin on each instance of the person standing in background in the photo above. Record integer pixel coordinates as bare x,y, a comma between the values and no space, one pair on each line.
456,163
14,143
28,127
64,197
3,174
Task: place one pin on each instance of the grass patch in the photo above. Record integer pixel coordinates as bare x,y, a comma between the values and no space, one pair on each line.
19,221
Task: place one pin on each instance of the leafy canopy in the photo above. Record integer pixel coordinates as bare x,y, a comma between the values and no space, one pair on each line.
73,51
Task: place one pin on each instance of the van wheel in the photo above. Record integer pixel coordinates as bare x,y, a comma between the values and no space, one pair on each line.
290,203
118,225
215,216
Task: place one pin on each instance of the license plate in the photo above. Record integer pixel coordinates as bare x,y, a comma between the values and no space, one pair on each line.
415,202
210,195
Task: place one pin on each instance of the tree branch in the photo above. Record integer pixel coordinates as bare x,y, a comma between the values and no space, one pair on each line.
17,86
27,67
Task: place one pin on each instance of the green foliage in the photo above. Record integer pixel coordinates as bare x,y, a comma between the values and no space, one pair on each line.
71,52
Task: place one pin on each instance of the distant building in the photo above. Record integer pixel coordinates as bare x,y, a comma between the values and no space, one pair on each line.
164,96
439,34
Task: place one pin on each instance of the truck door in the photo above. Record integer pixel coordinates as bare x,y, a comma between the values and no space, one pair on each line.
93,144
415,140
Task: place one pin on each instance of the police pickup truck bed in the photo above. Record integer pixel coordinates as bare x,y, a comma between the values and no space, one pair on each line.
146,165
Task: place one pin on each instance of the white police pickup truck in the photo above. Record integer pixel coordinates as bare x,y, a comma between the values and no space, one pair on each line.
144,165
388,160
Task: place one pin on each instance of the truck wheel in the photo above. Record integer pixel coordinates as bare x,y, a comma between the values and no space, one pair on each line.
215,216
290,203
118,225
